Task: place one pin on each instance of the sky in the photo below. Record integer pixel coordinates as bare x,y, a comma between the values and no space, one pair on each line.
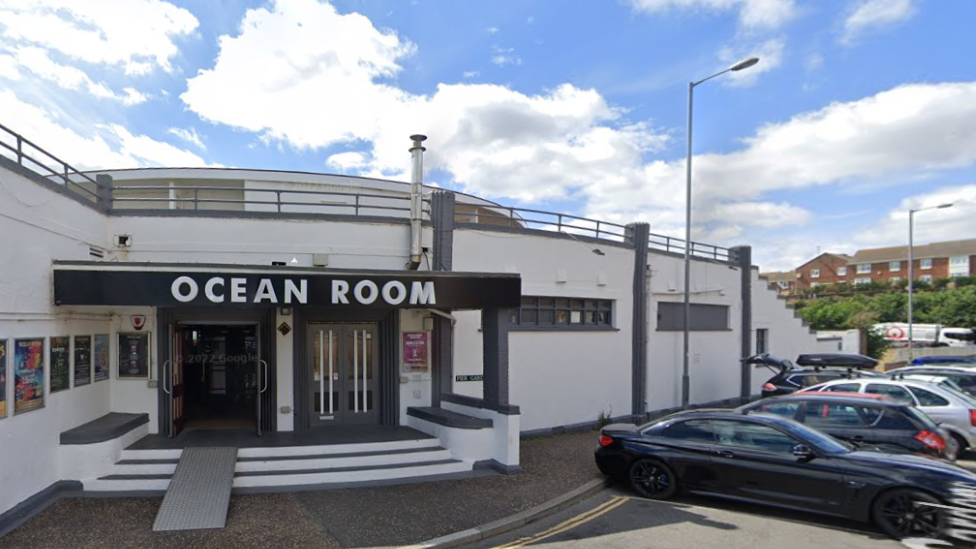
857,112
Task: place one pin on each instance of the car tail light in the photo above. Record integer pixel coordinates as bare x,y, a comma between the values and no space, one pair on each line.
769,387
605,440
972,418
932,440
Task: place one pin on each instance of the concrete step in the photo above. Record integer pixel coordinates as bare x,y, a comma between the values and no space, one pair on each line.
128,483
336,449
350,475
334,461
145,466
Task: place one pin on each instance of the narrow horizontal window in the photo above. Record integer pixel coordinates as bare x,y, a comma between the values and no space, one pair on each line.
671,317
557,313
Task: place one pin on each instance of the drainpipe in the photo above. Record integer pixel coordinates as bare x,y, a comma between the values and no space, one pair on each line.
416,204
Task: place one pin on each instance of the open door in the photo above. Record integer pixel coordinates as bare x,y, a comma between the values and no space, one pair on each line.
174,378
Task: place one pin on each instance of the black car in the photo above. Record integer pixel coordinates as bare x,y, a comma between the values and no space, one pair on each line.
810,370
768,459
862,419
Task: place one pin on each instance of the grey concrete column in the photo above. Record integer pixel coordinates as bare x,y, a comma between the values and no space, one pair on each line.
104,191
442,218
638,235
494,332
742,255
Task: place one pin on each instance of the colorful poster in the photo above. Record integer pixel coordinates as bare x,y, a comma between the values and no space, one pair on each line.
415,351
60,359
100,357
3,378
134,356
28,374
82,360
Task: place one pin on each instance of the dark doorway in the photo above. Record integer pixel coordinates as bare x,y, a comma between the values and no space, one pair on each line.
220,375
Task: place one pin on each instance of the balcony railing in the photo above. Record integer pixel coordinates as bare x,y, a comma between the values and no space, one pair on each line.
31,156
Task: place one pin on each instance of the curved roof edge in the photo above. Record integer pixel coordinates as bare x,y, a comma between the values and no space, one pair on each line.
239,173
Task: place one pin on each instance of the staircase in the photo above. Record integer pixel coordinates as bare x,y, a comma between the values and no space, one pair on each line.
265,469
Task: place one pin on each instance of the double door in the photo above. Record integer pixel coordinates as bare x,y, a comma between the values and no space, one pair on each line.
344,373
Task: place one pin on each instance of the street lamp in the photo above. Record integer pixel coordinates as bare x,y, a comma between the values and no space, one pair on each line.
911,272
685,377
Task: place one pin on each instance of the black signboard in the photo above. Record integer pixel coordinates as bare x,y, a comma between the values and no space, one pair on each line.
134,355
82,360
470,377
60,353
384,289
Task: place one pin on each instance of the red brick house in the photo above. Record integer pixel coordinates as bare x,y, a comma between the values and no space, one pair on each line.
932,262
826,268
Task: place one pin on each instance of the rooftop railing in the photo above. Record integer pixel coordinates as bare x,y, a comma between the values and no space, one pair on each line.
241,198
31,156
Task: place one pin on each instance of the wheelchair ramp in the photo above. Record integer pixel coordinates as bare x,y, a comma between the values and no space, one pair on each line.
199,493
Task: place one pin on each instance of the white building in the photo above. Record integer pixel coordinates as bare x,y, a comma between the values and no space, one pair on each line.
139,305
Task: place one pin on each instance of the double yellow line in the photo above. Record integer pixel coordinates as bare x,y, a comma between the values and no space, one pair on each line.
578,520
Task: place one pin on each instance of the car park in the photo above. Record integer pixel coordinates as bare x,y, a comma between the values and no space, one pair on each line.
768,459
810,370
865,420
953,410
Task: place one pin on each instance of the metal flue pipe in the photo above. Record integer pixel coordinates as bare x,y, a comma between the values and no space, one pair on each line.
416,201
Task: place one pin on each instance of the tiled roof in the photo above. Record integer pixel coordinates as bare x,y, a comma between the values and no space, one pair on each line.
925,251
779,276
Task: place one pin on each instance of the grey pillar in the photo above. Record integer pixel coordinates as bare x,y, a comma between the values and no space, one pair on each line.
742,255
442,218
638,235
104,191
494,333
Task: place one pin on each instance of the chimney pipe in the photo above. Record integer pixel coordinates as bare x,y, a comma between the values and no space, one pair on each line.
416,203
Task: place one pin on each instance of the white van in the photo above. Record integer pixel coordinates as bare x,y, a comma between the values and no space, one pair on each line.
934,335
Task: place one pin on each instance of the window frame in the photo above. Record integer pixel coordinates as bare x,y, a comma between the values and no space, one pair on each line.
863,280
663,306
841,271
762,340
863,268
814,273
894,266
546,311
925,264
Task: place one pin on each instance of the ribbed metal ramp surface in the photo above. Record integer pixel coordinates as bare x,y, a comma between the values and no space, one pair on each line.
199,493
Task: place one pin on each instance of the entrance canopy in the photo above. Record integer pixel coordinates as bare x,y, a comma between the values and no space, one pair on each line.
216,285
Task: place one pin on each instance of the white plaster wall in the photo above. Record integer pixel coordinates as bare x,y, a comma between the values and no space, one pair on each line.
284,369
36,226
559,377
788,337
135,396
713,355
261,241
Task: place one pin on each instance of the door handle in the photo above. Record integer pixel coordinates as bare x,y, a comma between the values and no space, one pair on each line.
725,453
265,370
167,376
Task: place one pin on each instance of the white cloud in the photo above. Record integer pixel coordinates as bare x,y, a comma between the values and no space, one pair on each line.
505,56
348,161
471,74
104,146
936,225
769,52
876,15
137,35
492,30
20,61
190,136
753,14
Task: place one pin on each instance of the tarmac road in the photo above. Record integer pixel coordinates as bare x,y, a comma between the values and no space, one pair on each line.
616,519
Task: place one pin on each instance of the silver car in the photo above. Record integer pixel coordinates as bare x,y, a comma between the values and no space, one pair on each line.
954,410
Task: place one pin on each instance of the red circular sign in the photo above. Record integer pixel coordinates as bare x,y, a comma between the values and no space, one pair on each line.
894,332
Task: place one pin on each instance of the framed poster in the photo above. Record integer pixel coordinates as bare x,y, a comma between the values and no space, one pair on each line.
100,356
415,351
3,378
60,359
28,374
82,360
134,355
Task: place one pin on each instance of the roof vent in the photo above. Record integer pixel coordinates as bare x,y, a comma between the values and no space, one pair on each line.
96,252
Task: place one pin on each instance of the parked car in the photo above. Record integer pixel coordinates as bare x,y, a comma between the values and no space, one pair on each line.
962,377
865,420
810,370
953,410
772,460
960,360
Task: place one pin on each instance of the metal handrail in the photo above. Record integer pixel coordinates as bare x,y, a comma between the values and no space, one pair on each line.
64,174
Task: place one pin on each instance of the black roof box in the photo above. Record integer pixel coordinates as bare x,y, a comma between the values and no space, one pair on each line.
835,360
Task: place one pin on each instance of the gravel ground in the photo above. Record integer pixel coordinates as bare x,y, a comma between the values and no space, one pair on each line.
362,517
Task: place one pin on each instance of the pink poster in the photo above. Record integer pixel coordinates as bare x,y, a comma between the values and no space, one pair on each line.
415,351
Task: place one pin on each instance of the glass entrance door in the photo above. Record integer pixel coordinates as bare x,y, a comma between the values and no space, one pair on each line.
342,365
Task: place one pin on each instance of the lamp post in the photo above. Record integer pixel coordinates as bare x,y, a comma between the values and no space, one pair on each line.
685,377
911,272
